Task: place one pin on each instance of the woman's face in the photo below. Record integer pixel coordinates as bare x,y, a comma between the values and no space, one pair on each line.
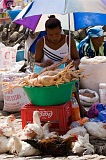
97,40
54,35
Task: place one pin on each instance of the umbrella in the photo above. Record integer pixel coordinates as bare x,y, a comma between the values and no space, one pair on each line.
86,19
32,13
77,21
13,13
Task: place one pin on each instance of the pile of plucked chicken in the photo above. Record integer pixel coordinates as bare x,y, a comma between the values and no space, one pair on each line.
49,76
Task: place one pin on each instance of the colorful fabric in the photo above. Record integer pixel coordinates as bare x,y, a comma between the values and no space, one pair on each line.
86,47
76,87
102,116
88,50
95,31
37,7
93,111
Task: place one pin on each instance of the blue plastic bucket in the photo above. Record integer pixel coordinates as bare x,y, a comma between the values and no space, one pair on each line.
20,55
62,66
38,69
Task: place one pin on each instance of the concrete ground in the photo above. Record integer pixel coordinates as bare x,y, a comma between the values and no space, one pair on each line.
18,126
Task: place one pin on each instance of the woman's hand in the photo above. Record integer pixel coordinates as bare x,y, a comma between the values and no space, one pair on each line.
49,63
44,64
40,64
68,61
75,63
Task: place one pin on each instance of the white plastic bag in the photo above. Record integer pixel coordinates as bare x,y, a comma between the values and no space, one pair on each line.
7,56
1,4
88,101
14,67
15,99
1,93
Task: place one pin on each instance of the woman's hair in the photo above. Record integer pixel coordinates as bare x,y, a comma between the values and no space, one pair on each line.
52,23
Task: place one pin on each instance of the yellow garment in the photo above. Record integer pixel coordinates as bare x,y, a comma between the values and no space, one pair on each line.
101,48
74,88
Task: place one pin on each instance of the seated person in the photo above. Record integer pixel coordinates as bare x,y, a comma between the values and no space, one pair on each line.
30,45
33,46
94,44
53,47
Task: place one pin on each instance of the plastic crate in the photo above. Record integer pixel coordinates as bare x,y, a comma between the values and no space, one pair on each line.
59,116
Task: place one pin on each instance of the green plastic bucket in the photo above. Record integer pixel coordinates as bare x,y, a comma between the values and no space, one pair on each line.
52,95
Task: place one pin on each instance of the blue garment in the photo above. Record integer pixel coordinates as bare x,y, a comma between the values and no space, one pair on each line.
33,46
96,31
89,52
85,48
102,116
98,110
100,107
95,120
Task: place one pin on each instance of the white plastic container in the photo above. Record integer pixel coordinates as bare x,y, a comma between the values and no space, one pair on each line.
102,93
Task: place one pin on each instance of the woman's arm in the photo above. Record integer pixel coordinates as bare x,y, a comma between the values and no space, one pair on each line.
74,53
39,54
39,50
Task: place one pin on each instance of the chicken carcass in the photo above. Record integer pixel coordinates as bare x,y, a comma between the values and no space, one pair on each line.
55,146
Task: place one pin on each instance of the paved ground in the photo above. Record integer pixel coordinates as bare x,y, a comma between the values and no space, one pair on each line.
18,121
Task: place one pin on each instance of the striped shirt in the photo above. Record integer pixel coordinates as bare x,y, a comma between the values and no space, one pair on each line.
55,55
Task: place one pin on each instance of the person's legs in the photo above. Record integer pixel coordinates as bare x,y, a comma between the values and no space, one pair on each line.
83,112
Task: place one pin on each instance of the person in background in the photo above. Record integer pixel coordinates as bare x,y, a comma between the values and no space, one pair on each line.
94,44
53,47
35,36
8,4
31,39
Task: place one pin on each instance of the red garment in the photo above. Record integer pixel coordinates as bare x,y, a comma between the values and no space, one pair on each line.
7,4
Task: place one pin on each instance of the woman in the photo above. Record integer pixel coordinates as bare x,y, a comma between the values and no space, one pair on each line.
94,44
55,46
